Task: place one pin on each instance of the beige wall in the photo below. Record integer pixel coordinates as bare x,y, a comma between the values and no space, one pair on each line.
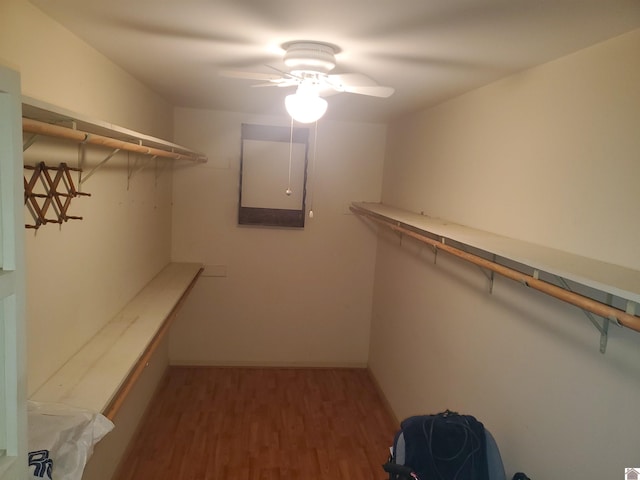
549,156
59,68
545,156
298,297
81,274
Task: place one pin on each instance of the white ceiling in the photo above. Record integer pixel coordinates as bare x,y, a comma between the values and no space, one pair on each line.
428,50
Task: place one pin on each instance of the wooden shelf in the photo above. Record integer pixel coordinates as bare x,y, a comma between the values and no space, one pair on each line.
97,375
46,119
618,281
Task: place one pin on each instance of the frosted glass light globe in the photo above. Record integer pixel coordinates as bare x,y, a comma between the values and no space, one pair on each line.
305,106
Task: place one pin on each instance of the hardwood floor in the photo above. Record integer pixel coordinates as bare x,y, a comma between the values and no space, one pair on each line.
262,424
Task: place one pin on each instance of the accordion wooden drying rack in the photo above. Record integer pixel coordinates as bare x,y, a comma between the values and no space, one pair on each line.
59,189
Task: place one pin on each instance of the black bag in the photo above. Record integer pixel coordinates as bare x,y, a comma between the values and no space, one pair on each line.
445,446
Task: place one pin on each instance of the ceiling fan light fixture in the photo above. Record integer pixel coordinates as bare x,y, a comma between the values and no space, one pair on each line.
305,106
309,56
308,64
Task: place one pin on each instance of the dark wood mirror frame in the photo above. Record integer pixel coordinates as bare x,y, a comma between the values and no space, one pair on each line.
273,137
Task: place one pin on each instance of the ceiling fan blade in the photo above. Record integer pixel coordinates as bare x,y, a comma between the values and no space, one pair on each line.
284,73
360,84
268,77
351,79
326,90
373,91
266,84
280,82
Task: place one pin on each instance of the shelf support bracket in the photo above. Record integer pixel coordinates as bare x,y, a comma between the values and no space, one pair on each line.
399,235
99,165
487,273
436,250
134,169
604,328
30,141
160,168
631,307
492,275
604,335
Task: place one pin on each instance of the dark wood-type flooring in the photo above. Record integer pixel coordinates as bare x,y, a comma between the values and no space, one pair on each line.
262,424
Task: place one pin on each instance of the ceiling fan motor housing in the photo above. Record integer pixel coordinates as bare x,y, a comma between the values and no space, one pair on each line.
309,57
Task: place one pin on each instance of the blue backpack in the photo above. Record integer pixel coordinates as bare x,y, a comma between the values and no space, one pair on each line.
445,446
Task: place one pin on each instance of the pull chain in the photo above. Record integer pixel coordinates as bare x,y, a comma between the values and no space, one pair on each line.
313,170
289,191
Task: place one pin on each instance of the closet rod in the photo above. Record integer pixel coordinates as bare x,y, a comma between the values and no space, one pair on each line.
48,129
585,303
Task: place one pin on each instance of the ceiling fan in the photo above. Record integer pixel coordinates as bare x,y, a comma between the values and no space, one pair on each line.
309,64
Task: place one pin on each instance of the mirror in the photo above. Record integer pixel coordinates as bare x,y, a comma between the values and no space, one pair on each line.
273,176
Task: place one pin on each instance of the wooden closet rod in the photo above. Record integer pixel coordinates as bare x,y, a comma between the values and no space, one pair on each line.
48,129
602,309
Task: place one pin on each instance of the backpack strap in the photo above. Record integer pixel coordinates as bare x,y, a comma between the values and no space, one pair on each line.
399,472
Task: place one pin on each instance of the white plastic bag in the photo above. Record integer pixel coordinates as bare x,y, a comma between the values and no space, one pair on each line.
61,439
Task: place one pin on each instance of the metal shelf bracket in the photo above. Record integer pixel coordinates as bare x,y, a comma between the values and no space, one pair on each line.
30,141
602,328
81,161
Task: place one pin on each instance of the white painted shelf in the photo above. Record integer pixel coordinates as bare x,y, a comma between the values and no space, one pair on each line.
617,280
51,114
94,375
